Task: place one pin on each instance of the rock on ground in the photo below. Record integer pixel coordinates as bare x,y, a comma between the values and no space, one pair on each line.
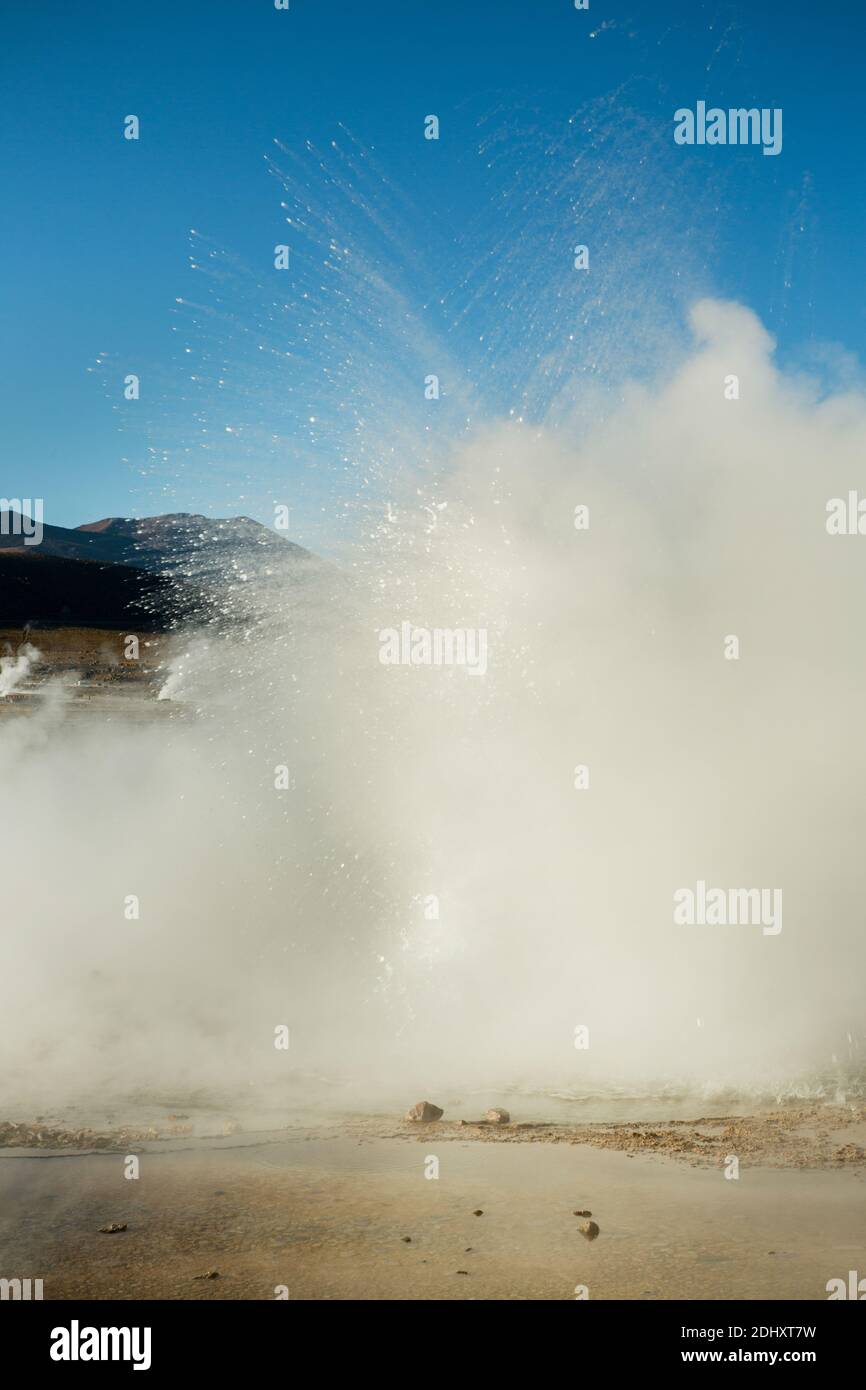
424,1112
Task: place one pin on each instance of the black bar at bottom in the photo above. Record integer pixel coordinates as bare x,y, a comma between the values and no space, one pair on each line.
217,1337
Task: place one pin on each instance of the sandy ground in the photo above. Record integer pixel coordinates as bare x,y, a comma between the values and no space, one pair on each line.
343,1212
97,677
96,653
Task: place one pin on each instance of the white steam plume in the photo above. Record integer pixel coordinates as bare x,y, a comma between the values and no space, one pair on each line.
313,907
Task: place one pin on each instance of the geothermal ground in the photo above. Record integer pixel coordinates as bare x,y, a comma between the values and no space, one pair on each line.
347,1209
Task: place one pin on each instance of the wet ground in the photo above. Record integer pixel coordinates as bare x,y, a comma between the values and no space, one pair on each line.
328,1218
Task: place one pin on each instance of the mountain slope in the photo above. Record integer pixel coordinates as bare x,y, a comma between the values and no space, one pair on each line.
155,542
139,573
185,536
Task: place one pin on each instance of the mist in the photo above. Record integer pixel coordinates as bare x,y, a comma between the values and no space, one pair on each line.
395,862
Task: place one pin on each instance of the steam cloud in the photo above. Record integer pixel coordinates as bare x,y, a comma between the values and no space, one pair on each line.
15,669
311,906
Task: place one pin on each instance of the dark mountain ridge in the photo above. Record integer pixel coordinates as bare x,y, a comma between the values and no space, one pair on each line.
38,590
148,572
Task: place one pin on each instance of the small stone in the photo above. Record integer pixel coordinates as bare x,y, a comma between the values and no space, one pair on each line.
424,1112
407,1240
463,1271
209,1274
112,1228
479,1212
583,1213
495,1116
589,1229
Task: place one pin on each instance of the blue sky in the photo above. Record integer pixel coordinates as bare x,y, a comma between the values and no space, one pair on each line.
95,237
